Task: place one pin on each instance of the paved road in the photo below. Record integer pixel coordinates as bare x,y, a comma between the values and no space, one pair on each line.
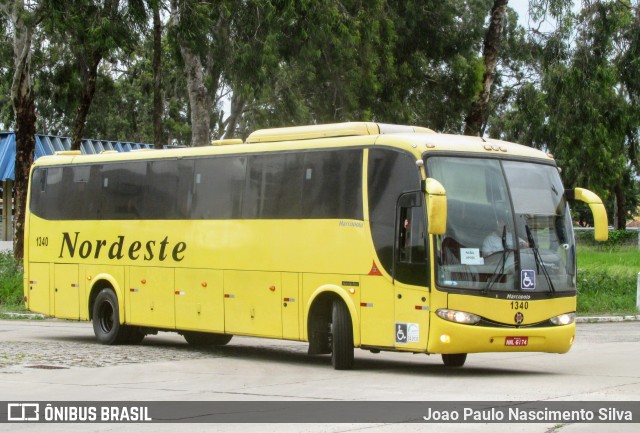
59,360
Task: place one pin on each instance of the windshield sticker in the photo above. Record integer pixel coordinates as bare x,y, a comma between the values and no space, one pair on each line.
471,256
407,333
528,280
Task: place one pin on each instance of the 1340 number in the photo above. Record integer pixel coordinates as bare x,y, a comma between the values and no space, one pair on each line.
515,305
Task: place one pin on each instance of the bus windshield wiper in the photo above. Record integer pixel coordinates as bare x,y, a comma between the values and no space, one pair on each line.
501,263
539,262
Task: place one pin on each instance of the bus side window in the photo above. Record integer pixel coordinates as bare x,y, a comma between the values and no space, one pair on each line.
411,245
390,174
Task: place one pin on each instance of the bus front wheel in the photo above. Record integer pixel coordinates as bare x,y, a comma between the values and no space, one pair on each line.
341,337
454,360
106,319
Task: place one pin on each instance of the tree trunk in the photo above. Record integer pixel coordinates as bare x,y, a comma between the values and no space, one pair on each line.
158,139
23,102
198,97
237,108
89,74
199,104
477,115
25,111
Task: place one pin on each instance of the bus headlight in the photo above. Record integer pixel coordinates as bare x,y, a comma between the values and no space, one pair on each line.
564,319
458,316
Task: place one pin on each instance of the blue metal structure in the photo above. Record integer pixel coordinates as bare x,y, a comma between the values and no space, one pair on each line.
50,144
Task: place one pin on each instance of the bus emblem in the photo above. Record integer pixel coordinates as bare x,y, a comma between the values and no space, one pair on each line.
519,318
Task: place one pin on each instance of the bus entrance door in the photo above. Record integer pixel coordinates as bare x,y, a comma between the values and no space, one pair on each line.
411,324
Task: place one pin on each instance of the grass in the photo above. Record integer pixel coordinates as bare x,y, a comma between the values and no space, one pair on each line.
607,279
11,292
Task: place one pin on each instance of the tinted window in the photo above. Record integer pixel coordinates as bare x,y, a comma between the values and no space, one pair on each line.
122,190
312,184
48,189
161,186
332,184
390,174
218,185
274,186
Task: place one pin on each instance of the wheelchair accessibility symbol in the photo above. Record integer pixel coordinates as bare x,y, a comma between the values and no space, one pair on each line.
528,280
401,332
407,333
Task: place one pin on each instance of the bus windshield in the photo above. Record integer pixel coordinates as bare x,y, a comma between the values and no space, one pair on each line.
508,227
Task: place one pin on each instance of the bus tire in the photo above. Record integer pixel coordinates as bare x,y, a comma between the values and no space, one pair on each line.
341,337
454,360
106,319
206,338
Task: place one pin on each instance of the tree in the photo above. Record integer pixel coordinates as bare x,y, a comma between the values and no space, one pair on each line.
158,138
583,108
24,21
187,21
6,77
435,72
478,113
112,24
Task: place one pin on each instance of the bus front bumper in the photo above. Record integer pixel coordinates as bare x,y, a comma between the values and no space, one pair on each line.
449,337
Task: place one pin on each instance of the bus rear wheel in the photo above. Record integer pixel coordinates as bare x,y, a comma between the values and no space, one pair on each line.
106,319
206,338
341,337
454,360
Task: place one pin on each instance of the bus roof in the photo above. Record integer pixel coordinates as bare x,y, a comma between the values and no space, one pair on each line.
417,140
330,130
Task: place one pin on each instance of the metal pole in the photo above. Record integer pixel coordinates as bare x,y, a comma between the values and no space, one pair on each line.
638,294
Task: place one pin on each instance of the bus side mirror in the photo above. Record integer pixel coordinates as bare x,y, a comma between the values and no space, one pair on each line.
600,223
436,207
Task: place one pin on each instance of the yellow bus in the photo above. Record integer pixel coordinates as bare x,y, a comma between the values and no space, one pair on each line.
353,235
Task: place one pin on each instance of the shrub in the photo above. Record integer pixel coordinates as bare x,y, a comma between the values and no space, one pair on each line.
11,281
603,291
617,238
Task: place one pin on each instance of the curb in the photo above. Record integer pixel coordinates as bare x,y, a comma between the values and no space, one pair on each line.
607,319
24,315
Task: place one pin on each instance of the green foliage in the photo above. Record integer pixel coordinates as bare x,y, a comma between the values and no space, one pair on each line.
617,239
582,100
604,292
11,282
6,69
573,90
622,237
607,279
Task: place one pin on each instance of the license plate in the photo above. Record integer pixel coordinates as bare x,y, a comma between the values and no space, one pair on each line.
516,341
